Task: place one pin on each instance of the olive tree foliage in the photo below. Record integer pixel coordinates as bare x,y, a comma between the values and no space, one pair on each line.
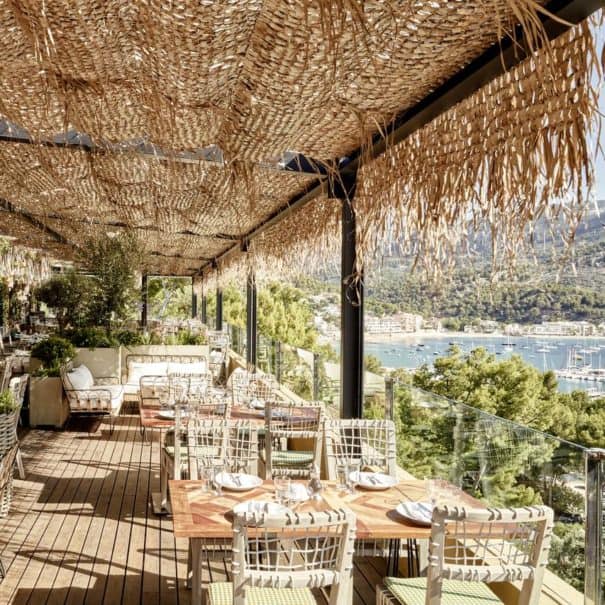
114,263
69,296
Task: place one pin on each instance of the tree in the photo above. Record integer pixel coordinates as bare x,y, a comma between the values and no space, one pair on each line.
113,261
169,297
69,296
373,364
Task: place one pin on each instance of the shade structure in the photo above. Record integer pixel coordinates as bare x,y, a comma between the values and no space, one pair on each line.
180,120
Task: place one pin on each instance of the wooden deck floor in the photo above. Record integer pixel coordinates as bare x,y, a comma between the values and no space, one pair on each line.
81,531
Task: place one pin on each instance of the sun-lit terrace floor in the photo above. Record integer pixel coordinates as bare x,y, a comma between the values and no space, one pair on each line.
81,530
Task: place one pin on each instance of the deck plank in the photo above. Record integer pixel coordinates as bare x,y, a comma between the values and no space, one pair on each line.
77,576
71,538
81,529
56,496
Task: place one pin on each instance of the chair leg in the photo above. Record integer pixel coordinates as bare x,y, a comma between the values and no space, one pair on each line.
20,467
189,565
163,481
2,570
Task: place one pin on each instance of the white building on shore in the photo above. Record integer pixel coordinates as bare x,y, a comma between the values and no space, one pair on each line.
400,323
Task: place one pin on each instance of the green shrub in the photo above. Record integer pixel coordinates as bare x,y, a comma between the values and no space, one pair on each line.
53,353
186,337
7,402
91,338
129,338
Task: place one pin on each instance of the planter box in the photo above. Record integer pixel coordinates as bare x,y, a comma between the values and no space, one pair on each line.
47,403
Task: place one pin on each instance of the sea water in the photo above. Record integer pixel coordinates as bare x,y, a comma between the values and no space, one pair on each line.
543,353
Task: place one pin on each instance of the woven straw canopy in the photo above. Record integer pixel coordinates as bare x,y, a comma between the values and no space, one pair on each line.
170,118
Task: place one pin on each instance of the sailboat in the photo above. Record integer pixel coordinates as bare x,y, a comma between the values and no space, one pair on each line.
508,346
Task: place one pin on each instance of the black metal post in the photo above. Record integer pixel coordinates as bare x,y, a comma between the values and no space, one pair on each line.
351,296
194,286
219,309
389,397
144,301
251,323
204,310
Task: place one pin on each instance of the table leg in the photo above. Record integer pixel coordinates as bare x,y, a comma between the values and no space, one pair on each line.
393,558
196,575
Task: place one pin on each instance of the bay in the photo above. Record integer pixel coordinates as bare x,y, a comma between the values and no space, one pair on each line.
543,353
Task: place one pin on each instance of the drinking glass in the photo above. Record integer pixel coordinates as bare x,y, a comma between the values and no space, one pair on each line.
206,473
353,471
282,489
341,476
217,469
437,490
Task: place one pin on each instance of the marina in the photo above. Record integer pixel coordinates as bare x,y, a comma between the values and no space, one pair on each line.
579,363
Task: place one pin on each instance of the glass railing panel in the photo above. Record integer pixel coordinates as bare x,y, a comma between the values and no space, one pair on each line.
296,370
500,463
266,352
374,400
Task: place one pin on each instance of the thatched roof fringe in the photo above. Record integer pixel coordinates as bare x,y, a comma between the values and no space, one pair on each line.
515,151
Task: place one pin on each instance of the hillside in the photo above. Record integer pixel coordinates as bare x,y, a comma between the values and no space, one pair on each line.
552,289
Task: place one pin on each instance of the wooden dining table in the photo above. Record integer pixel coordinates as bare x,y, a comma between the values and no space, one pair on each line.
203,516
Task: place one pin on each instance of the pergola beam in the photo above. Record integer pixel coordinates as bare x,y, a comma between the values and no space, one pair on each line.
494,62
72,139
32,220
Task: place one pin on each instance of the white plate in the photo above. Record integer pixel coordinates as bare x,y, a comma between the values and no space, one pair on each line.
375,481
298,492
238,482
418,512
257,404
169,414
260,507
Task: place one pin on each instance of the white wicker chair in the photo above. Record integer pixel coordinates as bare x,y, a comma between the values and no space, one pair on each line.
285,421
6,370
278,560
371,442
232,441
7,462
100,397
238,384
17,386
471,547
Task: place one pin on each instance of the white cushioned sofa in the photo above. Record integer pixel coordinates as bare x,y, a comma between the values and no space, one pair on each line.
87,395
138,366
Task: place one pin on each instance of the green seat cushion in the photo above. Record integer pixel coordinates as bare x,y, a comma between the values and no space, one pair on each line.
412,591
221,593
290,458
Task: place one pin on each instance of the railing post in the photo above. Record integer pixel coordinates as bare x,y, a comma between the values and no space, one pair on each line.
389,397
277,344
593,554
315,376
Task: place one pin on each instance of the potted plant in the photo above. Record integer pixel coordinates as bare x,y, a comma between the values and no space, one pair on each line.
9,413
47,403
